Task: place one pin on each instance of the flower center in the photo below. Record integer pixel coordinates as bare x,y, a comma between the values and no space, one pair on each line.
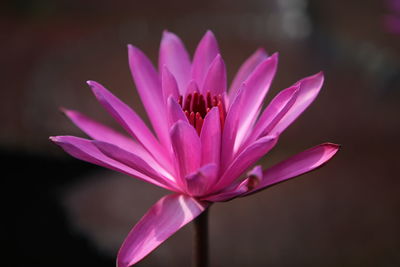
196,106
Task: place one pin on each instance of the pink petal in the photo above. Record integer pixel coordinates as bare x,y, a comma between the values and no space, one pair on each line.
205,53
244,109
131,123
274,112
245,159
166,217
174,56
239,188
297,165
169,85
187,147
149,88
85,150
210,137
257,85
245,70
308,90
192,87
175,112
101,132
135,162
199,182
215,80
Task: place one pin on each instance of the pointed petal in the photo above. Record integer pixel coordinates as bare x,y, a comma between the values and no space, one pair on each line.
101,132
274,112
210,137
257,86
167,216
230,129
205,53
85,150
243,111
199,182
215,80
297,165
192,87
131,122
246,159
245,70
308,91
175,112
135,162
187,147
149,88
169,85
173,54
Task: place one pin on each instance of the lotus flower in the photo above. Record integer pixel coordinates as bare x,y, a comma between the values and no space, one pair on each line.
206,139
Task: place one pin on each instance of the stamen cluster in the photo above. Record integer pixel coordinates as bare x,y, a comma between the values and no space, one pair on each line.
196,106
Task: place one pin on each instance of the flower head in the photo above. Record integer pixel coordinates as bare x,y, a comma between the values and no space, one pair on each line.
206,139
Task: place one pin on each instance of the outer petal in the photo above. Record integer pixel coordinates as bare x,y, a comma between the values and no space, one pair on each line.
299,164
131,122
173,54
199,182
257,86
169,85
85,150
244,109
187,147
205,53
135,162
149,88
273,113
210,137
245,159
166,217
245,70
101,132
308,91
215,80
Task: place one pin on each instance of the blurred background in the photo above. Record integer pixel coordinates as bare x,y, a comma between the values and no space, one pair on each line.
58,211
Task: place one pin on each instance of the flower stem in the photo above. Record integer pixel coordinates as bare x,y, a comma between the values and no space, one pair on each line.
200,255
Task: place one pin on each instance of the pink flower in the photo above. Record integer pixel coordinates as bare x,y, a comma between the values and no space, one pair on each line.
205,137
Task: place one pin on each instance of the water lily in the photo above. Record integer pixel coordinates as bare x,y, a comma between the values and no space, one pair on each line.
205,139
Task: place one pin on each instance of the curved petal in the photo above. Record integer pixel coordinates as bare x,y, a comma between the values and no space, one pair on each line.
257,86
169,85
131,122
135,162
215,80
199,182
205,53
309,88
245,159
210,137
273,113
149,88
299,164
167,216
174,55
85,150
245,70
101,132
187,147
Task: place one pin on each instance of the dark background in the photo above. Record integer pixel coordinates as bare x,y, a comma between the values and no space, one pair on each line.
58,211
